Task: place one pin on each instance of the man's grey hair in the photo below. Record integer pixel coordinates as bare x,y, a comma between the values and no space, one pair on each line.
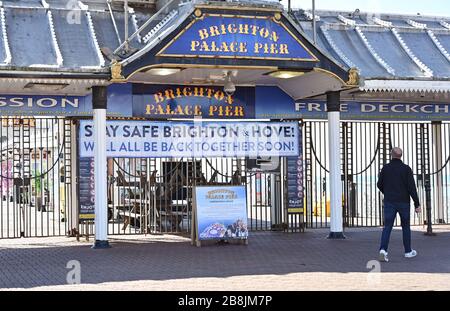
396,153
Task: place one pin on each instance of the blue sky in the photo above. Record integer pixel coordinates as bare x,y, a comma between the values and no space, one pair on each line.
430,7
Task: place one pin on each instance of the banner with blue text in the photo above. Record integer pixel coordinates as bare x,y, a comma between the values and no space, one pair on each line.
193,139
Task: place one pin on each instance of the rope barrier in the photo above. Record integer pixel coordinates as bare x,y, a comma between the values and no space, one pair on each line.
49,170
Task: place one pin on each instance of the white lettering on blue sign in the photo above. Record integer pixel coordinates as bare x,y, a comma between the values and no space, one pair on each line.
44,102
365,111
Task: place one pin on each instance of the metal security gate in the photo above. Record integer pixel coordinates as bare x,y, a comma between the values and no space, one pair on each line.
154,195
365,148
35,176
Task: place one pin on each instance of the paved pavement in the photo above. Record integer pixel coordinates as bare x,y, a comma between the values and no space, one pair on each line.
271,261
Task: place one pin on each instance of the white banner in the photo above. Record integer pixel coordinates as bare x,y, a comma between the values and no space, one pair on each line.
145,139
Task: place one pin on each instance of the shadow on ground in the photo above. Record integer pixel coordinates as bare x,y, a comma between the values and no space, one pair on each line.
166,258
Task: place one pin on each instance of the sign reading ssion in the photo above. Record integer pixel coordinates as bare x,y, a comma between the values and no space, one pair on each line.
237,37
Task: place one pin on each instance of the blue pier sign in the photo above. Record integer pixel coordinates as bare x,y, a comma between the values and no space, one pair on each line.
226,36
70,106
178,101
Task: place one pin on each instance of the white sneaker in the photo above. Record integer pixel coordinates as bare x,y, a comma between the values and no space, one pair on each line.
383,256
411,254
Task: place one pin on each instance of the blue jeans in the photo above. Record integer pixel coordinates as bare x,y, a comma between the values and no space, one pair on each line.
390,212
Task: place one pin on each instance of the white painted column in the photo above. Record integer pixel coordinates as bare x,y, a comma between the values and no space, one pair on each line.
99,104
438,180
336,223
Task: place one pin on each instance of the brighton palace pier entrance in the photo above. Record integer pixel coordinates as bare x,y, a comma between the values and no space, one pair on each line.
112,134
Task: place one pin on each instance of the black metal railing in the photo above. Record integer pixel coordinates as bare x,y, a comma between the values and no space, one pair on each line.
154,195
365,148
35,178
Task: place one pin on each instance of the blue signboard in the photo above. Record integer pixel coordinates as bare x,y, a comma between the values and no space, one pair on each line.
226,36
210,102
316,109
220,212
273,103
177,101
42,105
86,191
295,187
149,139
119,97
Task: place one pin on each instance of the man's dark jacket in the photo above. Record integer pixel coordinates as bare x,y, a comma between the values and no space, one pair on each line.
396,182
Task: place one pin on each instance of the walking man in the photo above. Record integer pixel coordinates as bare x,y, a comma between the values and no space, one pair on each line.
396,182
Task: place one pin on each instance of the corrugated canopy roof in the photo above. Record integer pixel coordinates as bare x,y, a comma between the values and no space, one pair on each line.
62,36
384,46
79,37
